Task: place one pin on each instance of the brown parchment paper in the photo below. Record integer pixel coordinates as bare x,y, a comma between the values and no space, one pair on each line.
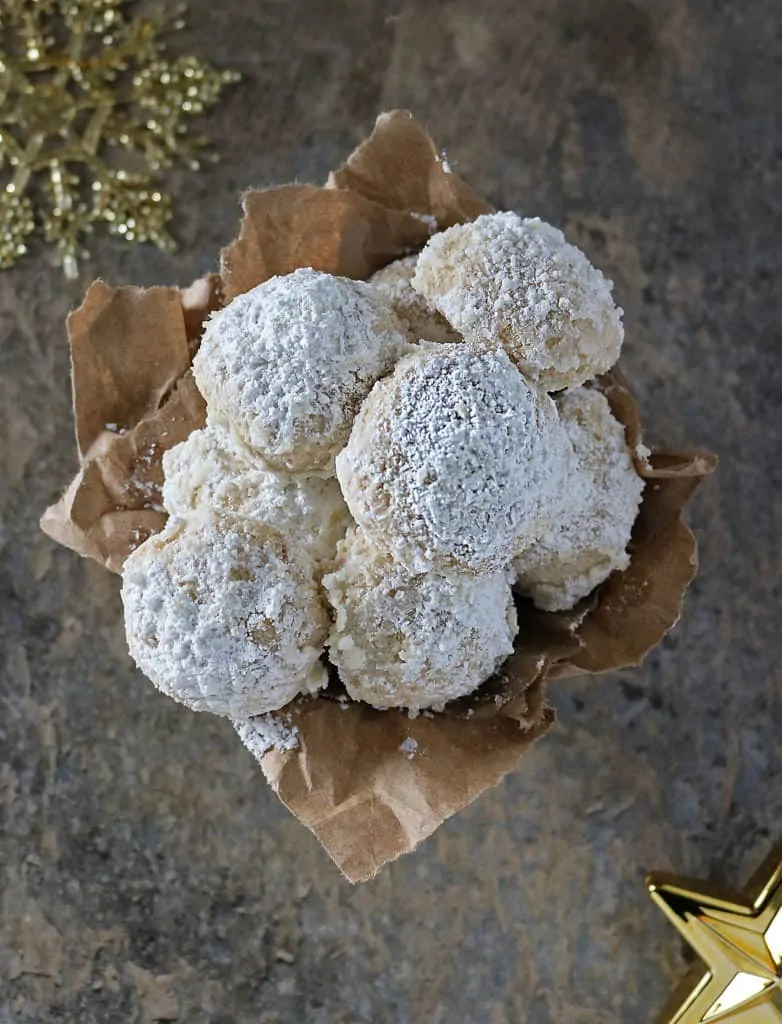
370,784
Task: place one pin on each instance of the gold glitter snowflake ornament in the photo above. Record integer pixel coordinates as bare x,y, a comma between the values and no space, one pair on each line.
91,109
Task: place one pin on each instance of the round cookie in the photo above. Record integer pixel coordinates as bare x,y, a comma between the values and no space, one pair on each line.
453,461
211,469
414,640
414,310
289,363
596,518
222,618
518,282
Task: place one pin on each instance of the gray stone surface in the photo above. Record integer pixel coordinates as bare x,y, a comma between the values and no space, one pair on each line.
147,871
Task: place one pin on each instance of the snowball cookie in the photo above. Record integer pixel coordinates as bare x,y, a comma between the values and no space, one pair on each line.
221,617
518,281
413,309
453,460
211,469
596,517
414,640
289,363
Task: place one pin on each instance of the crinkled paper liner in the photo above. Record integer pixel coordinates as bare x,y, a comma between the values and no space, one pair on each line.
367,800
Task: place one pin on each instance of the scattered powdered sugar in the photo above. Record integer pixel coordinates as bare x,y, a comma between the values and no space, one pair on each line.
518,282
142,485
265,733
413,309
642,453
409,747
454,460
289,363
595,517
414,640
137,537
221,617
426,218
213,469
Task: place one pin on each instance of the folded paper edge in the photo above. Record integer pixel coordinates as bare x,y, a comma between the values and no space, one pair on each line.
95,307
245,263
365,864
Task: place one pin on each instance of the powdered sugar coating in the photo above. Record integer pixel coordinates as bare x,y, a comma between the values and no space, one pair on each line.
596,518
289,363
212,469
413,309
222,618
503,278
453,460
414,640
265,733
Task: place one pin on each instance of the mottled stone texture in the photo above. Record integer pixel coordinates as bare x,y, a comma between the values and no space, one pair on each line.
147,871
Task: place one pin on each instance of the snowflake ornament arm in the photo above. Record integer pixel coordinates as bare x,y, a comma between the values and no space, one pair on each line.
91,109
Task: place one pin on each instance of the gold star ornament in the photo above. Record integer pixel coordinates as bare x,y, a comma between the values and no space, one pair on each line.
91,109
739,938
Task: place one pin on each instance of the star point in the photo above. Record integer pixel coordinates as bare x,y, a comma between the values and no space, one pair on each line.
738,936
